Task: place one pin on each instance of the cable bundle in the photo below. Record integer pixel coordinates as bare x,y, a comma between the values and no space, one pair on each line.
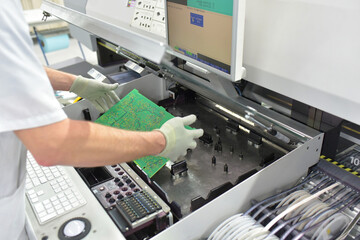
240,227
314,209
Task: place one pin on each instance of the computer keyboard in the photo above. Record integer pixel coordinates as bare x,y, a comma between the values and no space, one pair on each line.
50,191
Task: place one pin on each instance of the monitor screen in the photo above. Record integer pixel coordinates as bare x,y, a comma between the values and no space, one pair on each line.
201,30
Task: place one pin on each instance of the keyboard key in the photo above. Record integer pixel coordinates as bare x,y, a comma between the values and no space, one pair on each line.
68,192
50,210
31,192
36,182
68,207
75,204
39,207
48,217
60,211
57,207
48,206
42,214
33,195
39,193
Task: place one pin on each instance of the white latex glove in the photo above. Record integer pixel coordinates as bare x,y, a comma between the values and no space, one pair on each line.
178,138
101,95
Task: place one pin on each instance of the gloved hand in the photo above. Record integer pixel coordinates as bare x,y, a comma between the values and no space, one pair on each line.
101,95
178,138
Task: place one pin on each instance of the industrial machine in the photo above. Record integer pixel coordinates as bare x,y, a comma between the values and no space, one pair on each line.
279,156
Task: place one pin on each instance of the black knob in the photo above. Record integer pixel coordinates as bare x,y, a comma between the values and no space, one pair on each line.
132,185
108,195
117,192
226,168
213,160
128,181
120,184
114,166
111,200
120,197
117,180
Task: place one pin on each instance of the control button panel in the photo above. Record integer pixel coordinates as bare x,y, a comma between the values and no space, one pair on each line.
116,189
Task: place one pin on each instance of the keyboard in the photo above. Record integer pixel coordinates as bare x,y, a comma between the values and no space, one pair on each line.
50,191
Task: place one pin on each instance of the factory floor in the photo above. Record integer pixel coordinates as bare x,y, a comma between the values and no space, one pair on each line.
65,54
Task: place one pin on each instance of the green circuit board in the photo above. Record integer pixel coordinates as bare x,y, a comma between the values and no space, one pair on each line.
136,112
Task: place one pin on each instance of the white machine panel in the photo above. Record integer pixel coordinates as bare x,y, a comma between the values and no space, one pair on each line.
307,50
116,11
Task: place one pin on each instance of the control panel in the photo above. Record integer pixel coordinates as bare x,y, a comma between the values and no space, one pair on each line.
128,200
121,186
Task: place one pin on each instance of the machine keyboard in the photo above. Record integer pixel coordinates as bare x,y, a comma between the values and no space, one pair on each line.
50,191
137,206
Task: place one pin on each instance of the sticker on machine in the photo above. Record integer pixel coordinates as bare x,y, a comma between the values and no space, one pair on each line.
197,19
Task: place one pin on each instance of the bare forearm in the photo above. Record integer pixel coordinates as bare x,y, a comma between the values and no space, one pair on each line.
60,80
86,144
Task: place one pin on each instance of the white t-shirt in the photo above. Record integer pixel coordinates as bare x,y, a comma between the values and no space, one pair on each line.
26,101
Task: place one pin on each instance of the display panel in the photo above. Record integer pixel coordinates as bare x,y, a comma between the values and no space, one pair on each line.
208,33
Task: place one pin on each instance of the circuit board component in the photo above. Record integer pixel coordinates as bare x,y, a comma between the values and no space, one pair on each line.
138,113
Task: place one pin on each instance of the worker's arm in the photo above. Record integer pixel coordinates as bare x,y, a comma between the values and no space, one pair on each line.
86,144
61,81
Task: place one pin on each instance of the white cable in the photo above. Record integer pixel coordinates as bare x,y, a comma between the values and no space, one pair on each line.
215,232
281,215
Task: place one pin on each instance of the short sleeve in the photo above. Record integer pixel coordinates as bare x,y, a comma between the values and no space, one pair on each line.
27,99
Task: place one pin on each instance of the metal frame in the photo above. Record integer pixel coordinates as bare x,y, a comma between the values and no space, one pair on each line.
281,174
223,93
